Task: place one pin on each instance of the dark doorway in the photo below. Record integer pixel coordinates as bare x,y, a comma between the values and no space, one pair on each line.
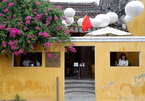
80,65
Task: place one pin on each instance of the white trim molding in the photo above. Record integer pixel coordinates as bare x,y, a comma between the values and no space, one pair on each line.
109,39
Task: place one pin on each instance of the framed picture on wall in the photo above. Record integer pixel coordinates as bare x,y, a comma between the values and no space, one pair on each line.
53,60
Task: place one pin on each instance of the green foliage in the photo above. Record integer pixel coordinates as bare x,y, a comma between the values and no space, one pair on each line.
24,23
18,98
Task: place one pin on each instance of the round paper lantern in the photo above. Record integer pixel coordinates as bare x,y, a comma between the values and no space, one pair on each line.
113,17
70,20
124,26
122,20
105,20
64,22
134,8
96,22
128,18
69,12
80,21
91,19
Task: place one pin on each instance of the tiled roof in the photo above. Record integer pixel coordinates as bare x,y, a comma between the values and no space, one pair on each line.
91,9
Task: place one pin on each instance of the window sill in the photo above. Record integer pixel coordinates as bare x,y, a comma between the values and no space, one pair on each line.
125,66
28,67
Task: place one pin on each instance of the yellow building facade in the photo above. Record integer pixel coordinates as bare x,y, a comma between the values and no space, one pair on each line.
111,83
39,83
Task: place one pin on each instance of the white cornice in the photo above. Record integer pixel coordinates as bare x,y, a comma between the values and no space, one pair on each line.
110,39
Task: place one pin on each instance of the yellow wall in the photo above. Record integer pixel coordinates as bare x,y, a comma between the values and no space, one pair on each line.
32,84
119,83
112,83
137,26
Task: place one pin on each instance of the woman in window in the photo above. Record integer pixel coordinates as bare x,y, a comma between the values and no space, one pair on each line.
123,61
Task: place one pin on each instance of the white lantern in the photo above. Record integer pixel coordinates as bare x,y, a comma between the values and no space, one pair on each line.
80,21
69,12
70,21
91,20
128,18
124,26
96,22
105,20
64,22
122,20
134,8
113,17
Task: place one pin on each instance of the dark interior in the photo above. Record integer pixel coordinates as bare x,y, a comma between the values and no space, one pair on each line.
132,57
30,55
84,58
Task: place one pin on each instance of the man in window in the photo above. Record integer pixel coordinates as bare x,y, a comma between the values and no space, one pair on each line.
26,62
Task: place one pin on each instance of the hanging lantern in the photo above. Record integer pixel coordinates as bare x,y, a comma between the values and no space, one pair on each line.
113,17
96,22
80,21
70,21
124,27
64,22
128,18
122,19
91,19
105,20
69,12
134,8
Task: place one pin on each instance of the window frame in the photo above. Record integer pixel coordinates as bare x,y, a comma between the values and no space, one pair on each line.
125,66
13,62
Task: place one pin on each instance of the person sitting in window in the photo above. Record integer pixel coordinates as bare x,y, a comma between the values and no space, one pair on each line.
123,61
36,62
26,62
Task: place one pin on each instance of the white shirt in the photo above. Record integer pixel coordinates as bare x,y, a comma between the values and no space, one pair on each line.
38,63
26,63
121,62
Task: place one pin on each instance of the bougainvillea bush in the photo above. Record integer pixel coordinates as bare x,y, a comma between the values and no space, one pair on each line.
24,23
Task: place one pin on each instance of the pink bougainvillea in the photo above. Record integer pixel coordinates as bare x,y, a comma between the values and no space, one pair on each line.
37,3
34,22
37,28
28,18
49,55
6,11
10,4
4,1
